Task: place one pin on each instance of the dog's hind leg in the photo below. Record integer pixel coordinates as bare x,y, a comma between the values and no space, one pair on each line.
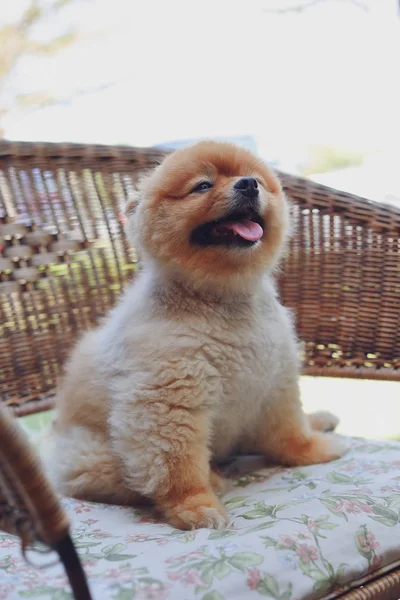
323,421
82,465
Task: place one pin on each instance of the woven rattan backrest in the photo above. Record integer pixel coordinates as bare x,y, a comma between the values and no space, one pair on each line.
342,278
63,254
64,260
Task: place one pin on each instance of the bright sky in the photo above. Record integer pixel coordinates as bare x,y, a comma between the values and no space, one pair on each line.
221,68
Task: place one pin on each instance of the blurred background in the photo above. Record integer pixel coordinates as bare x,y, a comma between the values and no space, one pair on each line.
312,86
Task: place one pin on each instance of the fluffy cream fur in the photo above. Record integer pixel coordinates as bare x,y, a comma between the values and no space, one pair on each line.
198,360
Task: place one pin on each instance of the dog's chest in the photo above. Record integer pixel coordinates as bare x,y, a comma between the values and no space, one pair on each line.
248,358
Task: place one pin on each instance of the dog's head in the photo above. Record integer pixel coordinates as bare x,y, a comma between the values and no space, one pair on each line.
212,213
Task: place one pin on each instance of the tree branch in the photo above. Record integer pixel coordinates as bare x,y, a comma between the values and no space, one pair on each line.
15,39
34,12
299,8
53,46
30,16
30,103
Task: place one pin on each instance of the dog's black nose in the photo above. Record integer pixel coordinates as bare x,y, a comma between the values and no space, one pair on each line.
247,186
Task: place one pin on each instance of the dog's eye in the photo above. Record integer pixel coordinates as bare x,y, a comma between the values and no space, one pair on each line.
202,187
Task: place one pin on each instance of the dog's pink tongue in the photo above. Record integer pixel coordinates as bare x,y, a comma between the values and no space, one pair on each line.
249,230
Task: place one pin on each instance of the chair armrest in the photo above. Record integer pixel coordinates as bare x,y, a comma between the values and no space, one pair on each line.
29,507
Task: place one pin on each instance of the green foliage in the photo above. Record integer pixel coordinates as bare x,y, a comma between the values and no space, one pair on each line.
213,596
322,159
16,41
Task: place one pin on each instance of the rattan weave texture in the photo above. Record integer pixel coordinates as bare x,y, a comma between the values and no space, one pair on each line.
64,261
29,507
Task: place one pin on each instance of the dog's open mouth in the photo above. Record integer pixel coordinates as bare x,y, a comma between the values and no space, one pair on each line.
239,228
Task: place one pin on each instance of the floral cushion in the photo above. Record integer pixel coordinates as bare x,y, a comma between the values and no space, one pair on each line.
301,533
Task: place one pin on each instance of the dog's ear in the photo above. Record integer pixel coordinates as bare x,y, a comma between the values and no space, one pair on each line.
136,193
132,203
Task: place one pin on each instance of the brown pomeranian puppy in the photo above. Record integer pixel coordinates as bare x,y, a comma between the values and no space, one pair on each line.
199,359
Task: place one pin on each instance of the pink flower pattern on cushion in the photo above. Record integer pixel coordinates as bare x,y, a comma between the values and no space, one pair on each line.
295,533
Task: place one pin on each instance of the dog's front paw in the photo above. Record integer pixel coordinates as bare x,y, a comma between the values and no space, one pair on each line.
196,512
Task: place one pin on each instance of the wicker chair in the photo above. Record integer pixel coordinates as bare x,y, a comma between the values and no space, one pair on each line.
64,261
28,506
